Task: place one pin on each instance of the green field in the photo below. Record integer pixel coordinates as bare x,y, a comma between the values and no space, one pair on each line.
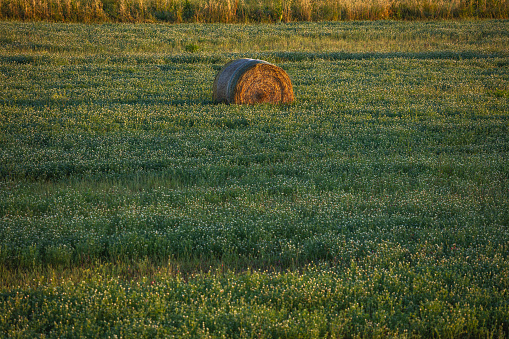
375,205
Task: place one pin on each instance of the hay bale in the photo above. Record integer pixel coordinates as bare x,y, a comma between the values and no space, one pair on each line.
252,81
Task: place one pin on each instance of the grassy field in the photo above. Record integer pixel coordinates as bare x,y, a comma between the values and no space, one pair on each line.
376,205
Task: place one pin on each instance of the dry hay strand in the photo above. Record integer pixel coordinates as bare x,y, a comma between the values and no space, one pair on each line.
252,81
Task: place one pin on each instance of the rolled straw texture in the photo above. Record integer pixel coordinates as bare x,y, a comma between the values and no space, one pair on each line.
252,81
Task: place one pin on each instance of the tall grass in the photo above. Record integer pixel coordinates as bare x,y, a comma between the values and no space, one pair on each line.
238,11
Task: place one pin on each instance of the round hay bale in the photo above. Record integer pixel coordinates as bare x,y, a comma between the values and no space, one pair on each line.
252,81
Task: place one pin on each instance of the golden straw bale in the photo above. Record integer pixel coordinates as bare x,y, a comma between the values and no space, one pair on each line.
252,81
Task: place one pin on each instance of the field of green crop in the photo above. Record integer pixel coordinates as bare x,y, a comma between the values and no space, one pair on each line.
376,205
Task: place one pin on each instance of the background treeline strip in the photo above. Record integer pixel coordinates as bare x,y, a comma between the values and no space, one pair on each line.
238,11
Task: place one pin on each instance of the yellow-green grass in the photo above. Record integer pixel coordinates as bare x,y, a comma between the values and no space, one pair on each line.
243,11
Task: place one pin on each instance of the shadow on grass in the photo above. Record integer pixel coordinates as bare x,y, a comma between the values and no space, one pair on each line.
223,58
71,102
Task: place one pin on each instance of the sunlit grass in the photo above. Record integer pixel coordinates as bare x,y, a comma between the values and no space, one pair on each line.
234,11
